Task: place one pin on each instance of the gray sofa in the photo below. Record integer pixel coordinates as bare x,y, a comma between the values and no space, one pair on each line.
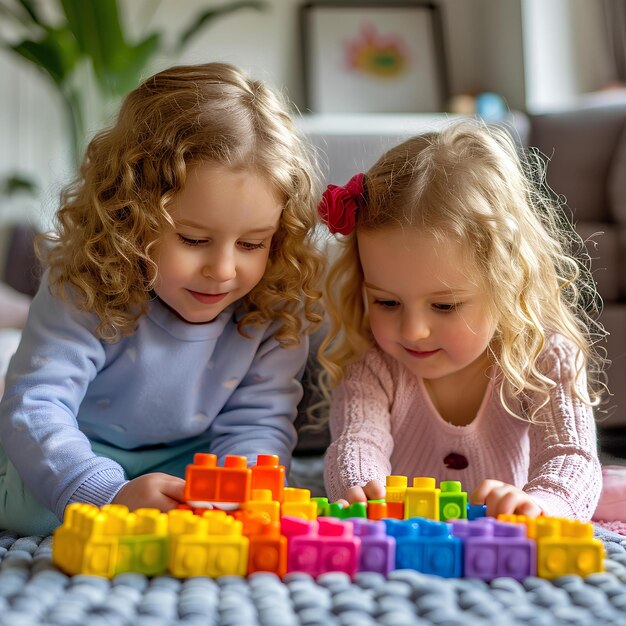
587,151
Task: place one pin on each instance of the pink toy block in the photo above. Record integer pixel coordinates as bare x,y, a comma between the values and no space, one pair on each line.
333,548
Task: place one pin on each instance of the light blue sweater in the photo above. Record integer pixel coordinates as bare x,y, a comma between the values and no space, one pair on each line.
167,383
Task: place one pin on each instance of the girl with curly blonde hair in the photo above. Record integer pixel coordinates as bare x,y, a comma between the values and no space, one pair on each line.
173,318
461,342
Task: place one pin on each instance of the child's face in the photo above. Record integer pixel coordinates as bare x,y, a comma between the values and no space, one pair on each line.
424,310
218,251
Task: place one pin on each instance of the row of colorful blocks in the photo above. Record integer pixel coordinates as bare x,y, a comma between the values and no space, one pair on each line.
261,487
110,540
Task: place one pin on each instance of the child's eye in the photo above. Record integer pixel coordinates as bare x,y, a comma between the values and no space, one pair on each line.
446,307
386,304
188,241
248,245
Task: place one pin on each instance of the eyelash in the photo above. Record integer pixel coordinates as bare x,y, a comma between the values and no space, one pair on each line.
246,245
442,308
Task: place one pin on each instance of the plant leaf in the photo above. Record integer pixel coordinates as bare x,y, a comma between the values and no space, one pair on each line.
202,20
17,183
56,54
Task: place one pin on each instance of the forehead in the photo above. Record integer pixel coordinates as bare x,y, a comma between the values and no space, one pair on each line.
404,259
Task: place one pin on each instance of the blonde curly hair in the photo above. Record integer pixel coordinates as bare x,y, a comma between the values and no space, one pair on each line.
469,184
112,216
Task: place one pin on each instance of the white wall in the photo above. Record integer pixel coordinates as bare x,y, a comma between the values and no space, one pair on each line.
514,47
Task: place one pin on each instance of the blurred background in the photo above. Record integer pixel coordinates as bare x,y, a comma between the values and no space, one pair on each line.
553,70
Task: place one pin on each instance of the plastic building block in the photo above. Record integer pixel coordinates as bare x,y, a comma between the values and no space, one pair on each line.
297,502
333,548
208,545
378,550
377,510
261,502
567,547
143,544
83,543
494,549
422,499
395,492
356,509
322,505
268,550
452,501
476,511
268,474
226,487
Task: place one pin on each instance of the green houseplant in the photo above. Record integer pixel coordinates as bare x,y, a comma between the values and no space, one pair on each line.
89,41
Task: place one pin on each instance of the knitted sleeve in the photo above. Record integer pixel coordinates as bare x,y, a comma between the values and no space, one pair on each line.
564,474
360,427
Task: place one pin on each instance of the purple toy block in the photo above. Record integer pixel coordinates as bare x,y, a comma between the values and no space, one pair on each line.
494,549
332,548
378,550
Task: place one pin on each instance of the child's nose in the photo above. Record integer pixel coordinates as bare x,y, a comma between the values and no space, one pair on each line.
414,327
220,266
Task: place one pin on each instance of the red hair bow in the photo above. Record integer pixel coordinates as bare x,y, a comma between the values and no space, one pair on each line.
339,205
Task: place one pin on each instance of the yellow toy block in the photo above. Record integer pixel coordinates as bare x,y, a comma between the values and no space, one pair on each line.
86,542
211,545
261,502
422,499
143,548
297,503
567,547
395,488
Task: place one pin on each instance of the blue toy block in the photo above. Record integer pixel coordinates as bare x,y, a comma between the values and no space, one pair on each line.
475,511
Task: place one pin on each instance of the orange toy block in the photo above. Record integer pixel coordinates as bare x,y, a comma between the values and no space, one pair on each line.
208,484
268,550
268,474
377,510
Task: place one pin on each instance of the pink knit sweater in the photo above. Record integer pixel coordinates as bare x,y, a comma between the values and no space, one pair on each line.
383,422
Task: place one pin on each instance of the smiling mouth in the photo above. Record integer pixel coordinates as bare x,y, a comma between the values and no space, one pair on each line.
422,354
207,298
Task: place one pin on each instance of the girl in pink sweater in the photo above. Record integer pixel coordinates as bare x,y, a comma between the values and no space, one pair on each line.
461,344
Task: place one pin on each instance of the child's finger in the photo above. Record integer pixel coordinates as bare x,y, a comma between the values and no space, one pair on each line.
355,494
484,488
529,508
374,490
173,487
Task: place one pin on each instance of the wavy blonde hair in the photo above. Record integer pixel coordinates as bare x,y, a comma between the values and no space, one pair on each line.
114,213
469,184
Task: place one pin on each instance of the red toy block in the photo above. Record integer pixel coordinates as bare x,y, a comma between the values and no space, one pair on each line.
226,486
268,474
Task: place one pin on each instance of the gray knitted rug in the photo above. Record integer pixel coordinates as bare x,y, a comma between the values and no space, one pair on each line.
34,591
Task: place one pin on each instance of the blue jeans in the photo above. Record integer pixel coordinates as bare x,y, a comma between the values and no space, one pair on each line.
21,512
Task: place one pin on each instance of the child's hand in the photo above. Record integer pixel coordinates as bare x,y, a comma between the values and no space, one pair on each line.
374,490
504,498
157,491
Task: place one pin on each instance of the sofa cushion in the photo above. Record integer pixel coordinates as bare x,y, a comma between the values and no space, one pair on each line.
581,145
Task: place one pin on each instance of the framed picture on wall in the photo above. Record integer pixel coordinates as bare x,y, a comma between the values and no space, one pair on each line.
366,57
